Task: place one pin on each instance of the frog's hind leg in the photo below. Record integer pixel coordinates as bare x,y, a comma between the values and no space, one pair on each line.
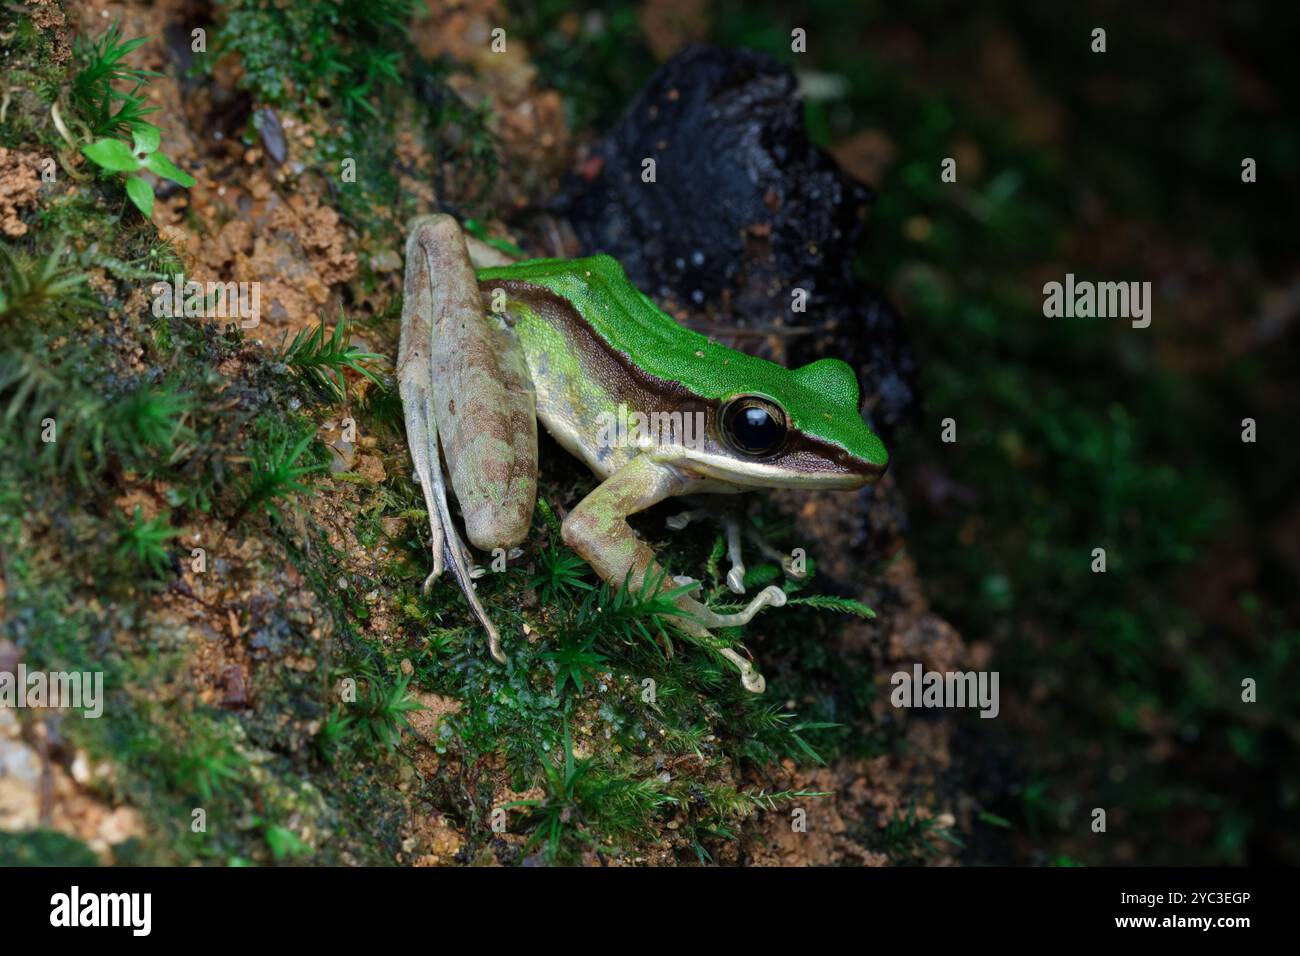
415,379
445,543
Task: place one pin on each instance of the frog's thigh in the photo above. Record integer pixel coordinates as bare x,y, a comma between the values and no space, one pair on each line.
484,404
488,423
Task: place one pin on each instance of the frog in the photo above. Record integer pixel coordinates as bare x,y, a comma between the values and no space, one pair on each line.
490,346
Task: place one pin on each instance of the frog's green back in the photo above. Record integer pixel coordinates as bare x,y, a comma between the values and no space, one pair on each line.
821,398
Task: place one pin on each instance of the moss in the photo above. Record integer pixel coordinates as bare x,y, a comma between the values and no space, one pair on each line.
44,848
350,67
213,438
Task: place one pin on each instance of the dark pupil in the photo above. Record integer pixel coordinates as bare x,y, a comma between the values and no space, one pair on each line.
755,430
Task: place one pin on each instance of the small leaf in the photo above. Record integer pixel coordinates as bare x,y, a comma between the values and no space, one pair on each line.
147,137
121,50
141,194
113,155
830,603
160,165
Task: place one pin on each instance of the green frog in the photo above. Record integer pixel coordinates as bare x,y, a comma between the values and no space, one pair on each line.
490,347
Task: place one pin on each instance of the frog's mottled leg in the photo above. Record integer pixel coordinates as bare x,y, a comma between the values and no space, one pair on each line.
486,410
436,292
482,256
598,530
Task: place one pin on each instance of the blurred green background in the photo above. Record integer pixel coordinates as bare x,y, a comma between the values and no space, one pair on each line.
1121,690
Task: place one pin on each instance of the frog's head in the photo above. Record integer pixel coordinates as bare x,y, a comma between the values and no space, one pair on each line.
797,429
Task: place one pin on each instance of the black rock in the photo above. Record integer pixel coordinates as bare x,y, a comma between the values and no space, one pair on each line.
744,210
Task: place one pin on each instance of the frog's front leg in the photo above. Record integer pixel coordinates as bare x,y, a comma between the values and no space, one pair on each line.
735,527
598,530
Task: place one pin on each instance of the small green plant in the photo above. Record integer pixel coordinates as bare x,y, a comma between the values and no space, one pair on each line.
829,602
49,403
210,766
774,733
35,393
381,715
94,91
629,614
584,800
729,802
348,52
143,543
320,360
149,418
560,571
910,838
574,660
116,156
274,474
332,734
284,843
110,116
29,288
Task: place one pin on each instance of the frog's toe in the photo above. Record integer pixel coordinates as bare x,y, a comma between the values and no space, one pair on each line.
750,679
437,568
682,580
736,579
735,555
682,519
770,596
788,566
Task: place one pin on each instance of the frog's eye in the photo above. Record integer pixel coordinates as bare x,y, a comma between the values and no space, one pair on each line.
753,426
